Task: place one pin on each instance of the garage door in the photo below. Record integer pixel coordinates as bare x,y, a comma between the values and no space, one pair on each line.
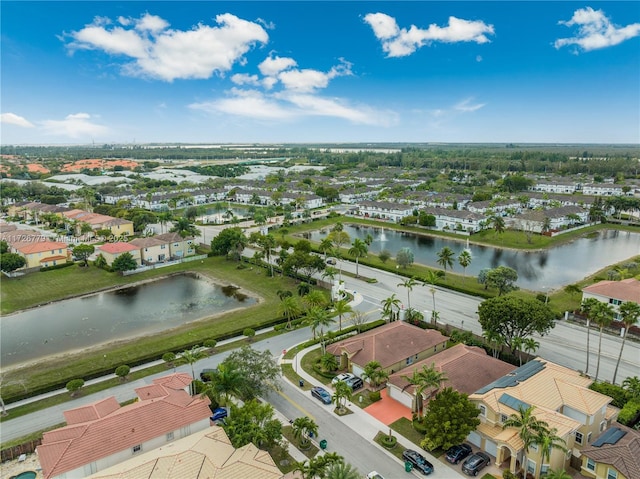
357,370
399,396
491,447
474,438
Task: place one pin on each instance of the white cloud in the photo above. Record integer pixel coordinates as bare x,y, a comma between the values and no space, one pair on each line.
467,106
596,31
13,119
77,125
167,54
397,42
245,79
309,80
246,103
271,66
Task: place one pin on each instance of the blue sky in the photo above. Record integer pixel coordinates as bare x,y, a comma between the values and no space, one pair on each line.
312,71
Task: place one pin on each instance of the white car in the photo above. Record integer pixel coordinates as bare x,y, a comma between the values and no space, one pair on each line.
374,475
342,377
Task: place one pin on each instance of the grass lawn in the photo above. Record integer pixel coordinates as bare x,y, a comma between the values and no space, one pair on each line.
38,288
287,432
404,427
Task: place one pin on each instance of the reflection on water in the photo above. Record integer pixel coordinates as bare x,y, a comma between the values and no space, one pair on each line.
537,270
116,315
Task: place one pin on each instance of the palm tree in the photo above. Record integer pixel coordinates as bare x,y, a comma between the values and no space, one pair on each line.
557,474
495,341
497,222
388,305
603,314
530,345
184,227
425,379
163,218
464,259
190,357
432,279
341,470
342,394
632,386
315,299
527,424
328,362
408,283
358,250
325,246
319,318
341,308
516,347
445,258
586,307
374,373
301,428
290,308
548,439
226,381
630,313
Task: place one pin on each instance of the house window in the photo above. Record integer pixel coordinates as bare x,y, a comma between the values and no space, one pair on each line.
591,464
409,360
579,437
612,473
617,302
163,246
503,418
544,469
589,438
603,424
534,447
137,449
170,436
531,467
483,410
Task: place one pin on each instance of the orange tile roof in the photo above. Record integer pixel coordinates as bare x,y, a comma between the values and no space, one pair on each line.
53,258
39,246
388,344
107,431
117,247
625,290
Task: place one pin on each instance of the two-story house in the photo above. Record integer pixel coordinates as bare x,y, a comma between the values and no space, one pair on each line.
102,434
179,247
614,292
559,396
111,251
39,254
615,454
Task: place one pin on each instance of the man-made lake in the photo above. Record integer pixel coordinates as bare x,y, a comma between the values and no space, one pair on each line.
537,270
111,316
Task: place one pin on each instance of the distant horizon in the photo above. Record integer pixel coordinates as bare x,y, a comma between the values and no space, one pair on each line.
314,72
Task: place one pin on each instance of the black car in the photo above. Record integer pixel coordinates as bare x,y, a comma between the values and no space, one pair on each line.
475,463
205,375
355,383
322,394
418,461
455,454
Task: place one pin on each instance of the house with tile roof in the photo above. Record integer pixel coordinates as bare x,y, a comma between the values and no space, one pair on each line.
179,247
152,250
395,346
111,251
467,369
203,455
615,454
103,434
614,292
560,396
41,254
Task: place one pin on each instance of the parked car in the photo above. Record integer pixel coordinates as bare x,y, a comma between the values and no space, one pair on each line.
418,461
455,454
475,463
355,382
331,261
342,377
322,394
374,475
204,375
218,414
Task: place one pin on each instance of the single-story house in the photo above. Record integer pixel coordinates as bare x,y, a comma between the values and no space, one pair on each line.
395,346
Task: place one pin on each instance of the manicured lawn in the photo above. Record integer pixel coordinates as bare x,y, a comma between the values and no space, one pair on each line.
56,372
287,432
404,427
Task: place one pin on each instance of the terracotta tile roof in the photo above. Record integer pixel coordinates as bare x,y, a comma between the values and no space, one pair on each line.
117,247
206,454
39,246
625,290
53,258
624,455
468,368
388,344
107,431
91,412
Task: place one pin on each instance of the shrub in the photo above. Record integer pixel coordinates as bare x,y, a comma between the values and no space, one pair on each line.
74,386
629,413
57,266
122,371
389,441
211,343
249,333
169,358
374,396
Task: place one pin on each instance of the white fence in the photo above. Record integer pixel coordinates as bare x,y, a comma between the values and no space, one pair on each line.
140,269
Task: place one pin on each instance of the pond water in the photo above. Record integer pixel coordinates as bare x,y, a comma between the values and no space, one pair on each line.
110,316
537,270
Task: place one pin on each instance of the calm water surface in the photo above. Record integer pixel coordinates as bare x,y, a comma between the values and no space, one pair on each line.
537,270
91,320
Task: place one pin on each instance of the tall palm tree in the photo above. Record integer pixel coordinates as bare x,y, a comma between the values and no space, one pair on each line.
586,307
630,313
325,246
184,227
547,439
163,218
530,345
190,357
445,258
603,315
319,318
408,283
341,470
301,427
432,279
388,306
516,347
464,260
290,308
495,341
527,425
342,394
498,224
315,299
341,308
358,250
226,381
426,378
